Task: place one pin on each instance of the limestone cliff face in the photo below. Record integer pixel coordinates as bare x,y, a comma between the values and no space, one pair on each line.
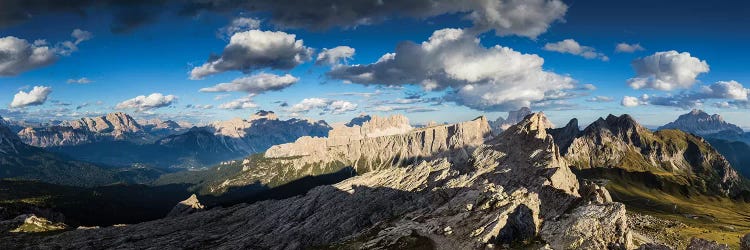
512,190
56,136
351,147
382,139
622,143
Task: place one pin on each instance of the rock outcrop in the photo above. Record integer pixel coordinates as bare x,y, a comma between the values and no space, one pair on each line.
29,223
596,226
510,192
188,206
703,244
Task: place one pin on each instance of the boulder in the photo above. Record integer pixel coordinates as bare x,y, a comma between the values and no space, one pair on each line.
595,226
188,206
703,244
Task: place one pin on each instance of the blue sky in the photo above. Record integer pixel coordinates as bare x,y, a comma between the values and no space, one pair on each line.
157,57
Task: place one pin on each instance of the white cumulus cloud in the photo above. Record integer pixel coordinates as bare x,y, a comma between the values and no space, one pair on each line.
339,107
726,93
145,103
725,90
255,84
238,25
631,101
335,55
332,106
256,49
240,103
667,70
494,78
18,55
570,46
37,96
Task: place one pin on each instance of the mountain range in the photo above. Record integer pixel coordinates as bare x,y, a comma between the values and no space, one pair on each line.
21,161
471,194
119,140
729,139
379,183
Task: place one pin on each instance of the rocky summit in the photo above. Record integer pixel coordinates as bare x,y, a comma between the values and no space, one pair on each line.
501,124
511,191
701,123
621,143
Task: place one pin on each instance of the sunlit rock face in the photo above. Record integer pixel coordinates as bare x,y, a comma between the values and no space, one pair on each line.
468,191
501,124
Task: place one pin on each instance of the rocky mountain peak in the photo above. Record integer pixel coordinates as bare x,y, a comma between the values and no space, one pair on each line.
615,124
573,123
535,124
564,136
123,122
381,126
117,123
263,114
514,117
622,143
701,123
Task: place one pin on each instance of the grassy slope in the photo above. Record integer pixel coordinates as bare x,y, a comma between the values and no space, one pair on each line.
679,195
710,217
